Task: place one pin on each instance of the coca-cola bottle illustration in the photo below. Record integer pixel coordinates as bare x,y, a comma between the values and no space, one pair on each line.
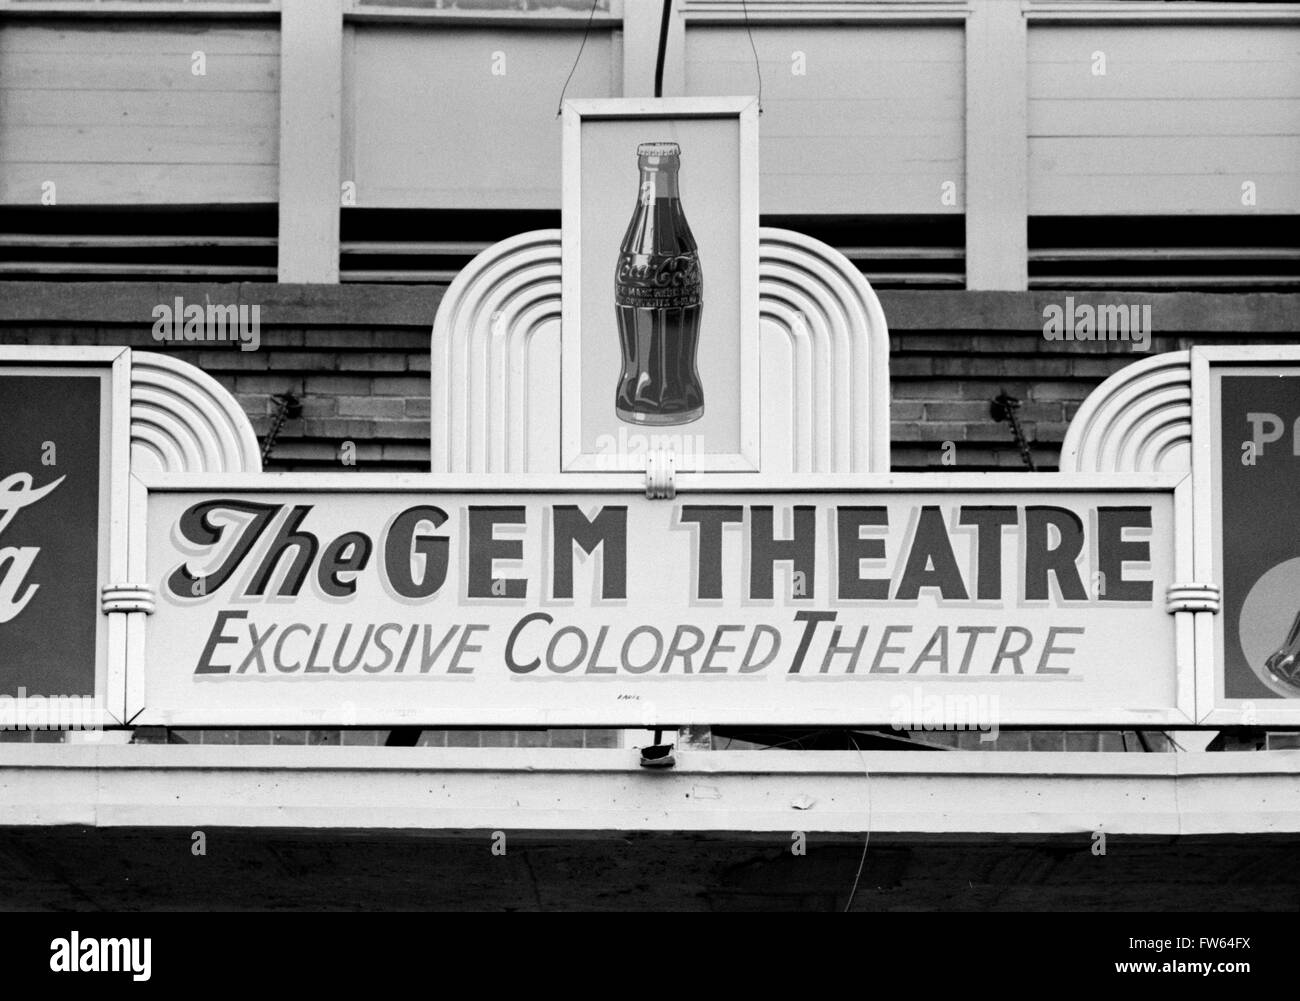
658,299
1284,663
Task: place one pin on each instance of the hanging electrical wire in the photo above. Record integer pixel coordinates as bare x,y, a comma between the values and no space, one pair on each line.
758,67
591,14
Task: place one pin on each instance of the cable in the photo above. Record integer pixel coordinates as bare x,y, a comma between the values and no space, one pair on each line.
758,68
559,109
862,861
663,47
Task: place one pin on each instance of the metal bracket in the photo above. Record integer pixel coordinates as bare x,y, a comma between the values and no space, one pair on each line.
1192,598
661,474
127,598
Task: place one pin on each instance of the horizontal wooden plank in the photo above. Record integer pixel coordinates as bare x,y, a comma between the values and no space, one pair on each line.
365,305
130,241
1182,80
420,193
1143,117
859,46
100,268
895,278
1165,253
446,16
862,155
61,37
1187,313
119,71
1163,281
1164,42
1198,14
1159,157
100,302
385,248
1135,194
785,118
928,279
414,306
921,83
216,109
441,277
907,193
886,253
161,9
139,183
433,248
203,144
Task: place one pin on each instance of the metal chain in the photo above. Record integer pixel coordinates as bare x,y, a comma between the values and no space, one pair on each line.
1004,409
288,403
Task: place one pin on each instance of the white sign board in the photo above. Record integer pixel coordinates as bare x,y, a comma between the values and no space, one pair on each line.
560,608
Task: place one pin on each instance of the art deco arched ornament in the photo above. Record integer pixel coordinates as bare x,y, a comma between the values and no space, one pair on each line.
823,362
184,421
1138,421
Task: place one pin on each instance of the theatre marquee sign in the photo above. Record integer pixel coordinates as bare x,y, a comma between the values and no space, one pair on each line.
591,607
169,587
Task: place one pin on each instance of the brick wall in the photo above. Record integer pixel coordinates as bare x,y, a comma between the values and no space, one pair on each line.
371,387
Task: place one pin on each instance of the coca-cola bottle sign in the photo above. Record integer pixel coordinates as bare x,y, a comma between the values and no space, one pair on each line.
659,300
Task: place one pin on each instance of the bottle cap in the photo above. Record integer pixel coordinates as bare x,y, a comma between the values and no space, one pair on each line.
659,149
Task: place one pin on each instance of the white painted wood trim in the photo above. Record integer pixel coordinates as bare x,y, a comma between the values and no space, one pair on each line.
634,483
138,8
1185,652
640,44
445,17
794,12
1158,12
604,791
137,570
311,140
118,464
996,186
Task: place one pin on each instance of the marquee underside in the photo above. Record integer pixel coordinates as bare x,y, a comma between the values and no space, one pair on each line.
751,794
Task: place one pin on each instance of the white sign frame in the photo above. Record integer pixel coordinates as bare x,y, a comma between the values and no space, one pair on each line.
576,112
113,364
1177,485
1206,363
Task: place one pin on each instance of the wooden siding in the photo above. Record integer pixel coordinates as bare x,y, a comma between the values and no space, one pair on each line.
1182,118
874,125
112,114
428,124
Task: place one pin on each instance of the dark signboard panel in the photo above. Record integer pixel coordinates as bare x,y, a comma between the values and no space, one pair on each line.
1260,474
50,515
